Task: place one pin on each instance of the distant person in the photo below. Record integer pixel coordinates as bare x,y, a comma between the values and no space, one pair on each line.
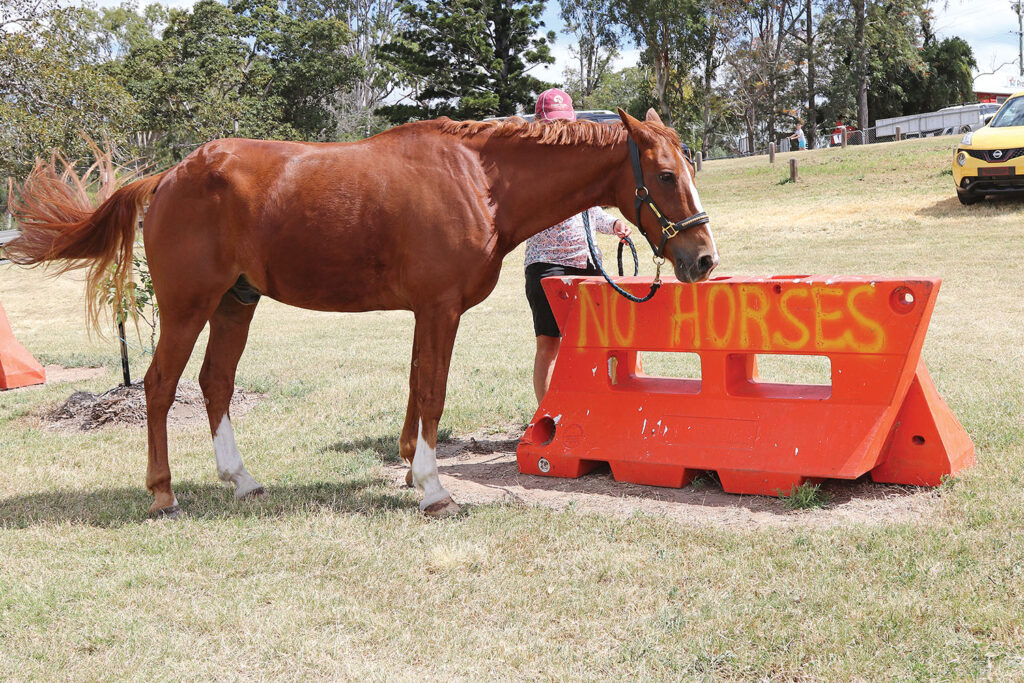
801,139
559,250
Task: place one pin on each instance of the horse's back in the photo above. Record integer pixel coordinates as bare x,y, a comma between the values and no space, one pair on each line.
293,215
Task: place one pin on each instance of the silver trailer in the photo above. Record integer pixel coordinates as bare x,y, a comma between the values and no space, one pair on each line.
947,121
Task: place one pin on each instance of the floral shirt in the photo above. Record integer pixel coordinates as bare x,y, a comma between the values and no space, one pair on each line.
564,243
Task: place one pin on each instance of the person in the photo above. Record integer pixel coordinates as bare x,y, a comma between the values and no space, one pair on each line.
801,139
559,250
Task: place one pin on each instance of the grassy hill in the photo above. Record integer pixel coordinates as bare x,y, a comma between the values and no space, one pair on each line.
338,576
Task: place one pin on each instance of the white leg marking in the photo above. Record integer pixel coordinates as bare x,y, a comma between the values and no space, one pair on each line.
424,472
229,460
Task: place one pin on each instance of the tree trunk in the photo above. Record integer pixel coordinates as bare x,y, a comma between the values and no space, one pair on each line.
661,69
812,115
709,73
860,8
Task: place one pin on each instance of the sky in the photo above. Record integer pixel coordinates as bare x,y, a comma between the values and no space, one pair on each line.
988,26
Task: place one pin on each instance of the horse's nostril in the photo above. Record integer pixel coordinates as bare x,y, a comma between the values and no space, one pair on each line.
705,263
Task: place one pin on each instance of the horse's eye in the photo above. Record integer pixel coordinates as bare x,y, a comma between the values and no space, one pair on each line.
667,177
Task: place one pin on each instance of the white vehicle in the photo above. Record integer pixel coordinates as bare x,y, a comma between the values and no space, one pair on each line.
955,120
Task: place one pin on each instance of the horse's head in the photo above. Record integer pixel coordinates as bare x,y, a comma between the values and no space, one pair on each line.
663,194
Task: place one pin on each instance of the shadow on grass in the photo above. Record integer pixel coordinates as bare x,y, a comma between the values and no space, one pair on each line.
383,447
117,507
951,207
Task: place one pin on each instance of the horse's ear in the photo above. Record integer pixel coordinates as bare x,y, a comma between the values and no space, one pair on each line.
634,127
652,116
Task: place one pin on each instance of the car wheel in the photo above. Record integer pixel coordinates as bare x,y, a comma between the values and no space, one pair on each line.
965,129
967,198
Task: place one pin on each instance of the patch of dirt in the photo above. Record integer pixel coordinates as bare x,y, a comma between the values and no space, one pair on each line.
58,374
127,406
481,468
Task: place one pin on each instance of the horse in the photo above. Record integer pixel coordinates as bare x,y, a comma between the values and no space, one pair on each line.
417,218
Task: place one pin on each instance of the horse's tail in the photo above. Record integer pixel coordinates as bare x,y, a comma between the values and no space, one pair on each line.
61,223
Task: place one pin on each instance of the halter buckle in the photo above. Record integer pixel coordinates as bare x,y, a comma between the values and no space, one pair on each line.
641,192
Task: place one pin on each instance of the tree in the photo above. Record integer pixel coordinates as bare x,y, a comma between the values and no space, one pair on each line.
596,45
631,88
762,67
669,33
372,23
469,58
246,69
52,90
868,46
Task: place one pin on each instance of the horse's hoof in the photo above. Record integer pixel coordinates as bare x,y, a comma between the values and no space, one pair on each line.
258,494
446,507
408,477
172,512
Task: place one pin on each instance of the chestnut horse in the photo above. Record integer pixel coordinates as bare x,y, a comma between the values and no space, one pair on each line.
416,218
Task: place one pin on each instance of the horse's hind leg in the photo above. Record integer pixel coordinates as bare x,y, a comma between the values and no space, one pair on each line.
178,333
229,330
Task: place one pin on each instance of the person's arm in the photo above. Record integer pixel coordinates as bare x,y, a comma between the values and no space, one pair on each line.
608,224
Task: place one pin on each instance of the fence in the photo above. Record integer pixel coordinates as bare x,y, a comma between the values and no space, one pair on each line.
725,146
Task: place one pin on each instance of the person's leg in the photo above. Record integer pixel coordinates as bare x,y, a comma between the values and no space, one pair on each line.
544,363
544,325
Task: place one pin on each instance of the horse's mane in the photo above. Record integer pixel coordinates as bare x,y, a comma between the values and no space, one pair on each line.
558,132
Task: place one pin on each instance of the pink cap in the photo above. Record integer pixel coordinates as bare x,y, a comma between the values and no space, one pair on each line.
554,104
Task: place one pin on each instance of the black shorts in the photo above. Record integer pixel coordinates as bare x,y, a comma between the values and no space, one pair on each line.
543,319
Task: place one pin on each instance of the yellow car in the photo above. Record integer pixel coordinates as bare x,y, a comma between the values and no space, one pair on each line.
991,159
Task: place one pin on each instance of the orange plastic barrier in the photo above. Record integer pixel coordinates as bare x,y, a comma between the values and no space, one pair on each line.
881,414
17,366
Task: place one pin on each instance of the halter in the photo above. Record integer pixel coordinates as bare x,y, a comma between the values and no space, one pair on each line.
668,229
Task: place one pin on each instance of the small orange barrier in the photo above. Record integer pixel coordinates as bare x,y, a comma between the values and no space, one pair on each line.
881,414
17,366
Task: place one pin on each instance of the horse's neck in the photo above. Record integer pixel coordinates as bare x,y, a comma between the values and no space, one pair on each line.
535,186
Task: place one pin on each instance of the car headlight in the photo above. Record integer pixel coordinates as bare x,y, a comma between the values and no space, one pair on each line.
967,138
961,158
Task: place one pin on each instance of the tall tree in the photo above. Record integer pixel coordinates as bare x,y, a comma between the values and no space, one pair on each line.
470,58
372,23
595,45
762,66
52,89
669,33
866,44
245,69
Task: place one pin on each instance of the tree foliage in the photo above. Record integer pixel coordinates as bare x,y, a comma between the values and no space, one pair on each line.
53,88
470,58
246,69
595,45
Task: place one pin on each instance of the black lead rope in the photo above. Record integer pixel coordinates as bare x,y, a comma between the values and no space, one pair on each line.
655,286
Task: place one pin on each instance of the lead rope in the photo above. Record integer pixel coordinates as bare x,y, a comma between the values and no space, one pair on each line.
636,263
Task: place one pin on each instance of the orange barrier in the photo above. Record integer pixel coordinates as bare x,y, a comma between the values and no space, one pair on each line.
881,414
17,366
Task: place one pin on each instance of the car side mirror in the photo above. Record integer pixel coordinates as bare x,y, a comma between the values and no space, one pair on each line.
987,118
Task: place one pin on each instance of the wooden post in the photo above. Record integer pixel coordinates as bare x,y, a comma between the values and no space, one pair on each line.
700,161
899,133
771,152
846,134
793,173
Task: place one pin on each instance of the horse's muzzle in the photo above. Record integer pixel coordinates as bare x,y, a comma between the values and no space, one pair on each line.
695,271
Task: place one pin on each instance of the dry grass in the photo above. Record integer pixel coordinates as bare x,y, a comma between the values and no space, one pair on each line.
339,577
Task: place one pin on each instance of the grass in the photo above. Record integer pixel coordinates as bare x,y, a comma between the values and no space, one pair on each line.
337,576
806,497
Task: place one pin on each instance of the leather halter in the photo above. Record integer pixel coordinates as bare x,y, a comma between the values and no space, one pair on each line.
668,229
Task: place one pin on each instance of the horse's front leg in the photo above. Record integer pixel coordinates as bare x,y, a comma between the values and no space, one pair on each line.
432,354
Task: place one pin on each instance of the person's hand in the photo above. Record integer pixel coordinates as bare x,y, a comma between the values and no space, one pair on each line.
621,230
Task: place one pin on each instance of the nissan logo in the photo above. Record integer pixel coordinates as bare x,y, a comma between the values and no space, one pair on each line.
998,154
